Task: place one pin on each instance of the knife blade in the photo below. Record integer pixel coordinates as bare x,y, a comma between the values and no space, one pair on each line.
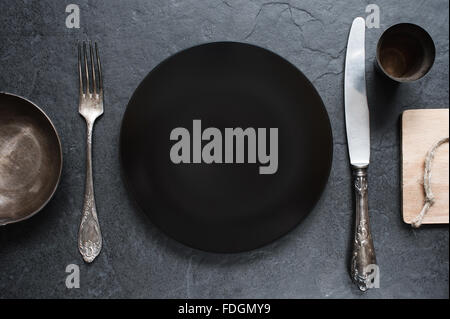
356,107
363,264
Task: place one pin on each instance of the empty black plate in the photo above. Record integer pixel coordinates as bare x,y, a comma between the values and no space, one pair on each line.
231,191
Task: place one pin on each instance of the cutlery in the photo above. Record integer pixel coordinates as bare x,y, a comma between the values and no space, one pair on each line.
358,137
90,107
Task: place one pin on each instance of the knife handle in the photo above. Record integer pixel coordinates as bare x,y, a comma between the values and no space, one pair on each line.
363,263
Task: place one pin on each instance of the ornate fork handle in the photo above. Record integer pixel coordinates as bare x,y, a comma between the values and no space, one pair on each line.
89,237
363,250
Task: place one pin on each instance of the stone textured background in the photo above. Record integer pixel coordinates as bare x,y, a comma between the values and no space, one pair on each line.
38,61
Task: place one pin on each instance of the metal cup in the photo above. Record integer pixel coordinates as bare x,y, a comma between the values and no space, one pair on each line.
405,52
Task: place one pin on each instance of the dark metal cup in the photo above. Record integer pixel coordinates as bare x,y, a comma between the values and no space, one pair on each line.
405,52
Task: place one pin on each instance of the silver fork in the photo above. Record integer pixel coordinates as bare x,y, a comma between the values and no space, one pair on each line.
90,107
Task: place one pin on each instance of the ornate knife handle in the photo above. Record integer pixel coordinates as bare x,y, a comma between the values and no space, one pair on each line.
89,236
363,256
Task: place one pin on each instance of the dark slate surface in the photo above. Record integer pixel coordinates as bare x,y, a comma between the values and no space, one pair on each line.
38,61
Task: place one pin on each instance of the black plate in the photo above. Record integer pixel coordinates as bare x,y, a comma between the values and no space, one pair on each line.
226,207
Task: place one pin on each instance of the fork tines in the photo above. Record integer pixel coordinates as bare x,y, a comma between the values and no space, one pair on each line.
91,77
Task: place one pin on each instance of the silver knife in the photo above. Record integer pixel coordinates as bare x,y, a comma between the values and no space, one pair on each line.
363,263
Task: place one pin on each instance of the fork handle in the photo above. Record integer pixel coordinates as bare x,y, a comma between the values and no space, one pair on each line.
363,257
89,236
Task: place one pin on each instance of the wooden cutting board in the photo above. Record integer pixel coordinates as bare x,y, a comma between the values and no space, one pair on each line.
420,130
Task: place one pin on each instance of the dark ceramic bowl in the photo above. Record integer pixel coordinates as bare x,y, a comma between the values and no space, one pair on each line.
30,159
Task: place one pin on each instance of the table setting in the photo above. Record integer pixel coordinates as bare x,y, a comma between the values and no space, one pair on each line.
238,149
